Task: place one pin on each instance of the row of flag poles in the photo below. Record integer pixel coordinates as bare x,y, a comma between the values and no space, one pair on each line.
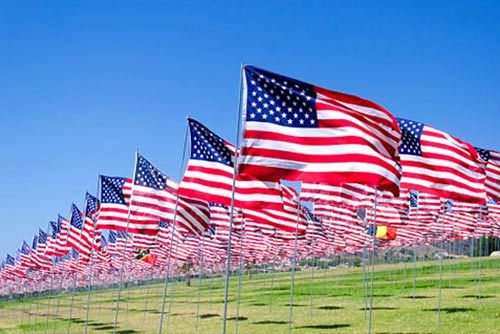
374,180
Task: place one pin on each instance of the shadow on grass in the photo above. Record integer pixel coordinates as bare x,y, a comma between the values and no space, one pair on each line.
382,295
477,297
417,297
450,309
127,331
403,333
103,328
330,307
239,318
325,326
209,315
294,305
258,304
379,308
270,322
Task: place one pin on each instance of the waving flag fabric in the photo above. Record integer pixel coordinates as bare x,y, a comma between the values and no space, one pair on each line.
114,209
492,169
300,132
154,199
435,162
209,174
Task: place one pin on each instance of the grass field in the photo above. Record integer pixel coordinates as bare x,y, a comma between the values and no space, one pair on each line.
325,301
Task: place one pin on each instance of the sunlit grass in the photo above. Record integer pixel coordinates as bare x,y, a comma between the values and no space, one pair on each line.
325,301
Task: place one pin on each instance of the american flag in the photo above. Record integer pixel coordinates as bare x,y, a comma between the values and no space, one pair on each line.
61,247
91,214
55,228
435,162
492,169
78,238
300,132
154,199
114,208
209,174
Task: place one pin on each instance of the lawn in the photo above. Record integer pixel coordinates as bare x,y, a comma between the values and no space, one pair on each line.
325,301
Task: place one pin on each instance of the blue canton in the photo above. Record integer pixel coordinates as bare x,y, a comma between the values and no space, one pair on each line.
448,206
148,175
9,260
35,242
60,219
111,189
484,154
411,132
25,249
121,234
76,217
413,198
56,228
90,205
163,224
42,237
112,237
280,100
207,146
103,241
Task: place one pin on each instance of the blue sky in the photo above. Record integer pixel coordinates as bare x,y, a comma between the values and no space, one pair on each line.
85,83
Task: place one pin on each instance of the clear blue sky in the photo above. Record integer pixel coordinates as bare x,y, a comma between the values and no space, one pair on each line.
85,83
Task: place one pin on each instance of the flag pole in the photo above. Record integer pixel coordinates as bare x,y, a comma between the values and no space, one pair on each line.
311,292
233,190
50,284
440,273
94,220
239,277
200,282
374,224
172,289
115,321
272,286
170,246
294,261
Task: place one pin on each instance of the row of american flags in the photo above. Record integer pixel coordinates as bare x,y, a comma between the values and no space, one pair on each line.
347,152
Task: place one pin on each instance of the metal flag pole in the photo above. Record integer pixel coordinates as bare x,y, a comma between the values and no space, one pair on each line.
231,209
58,301
170,246
294,262
440,273
48,301
115,321
239,278
75,278
50,285
211,284
414,273
272,286
91,265
480,257
311,287
374,224
172,289
200,283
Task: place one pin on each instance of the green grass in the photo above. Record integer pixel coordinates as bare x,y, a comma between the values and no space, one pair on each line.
332,302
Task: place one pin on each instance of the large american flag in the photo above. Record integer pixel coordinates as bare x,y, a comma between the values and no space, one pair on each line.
300,132
492,169
435,162
209,174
